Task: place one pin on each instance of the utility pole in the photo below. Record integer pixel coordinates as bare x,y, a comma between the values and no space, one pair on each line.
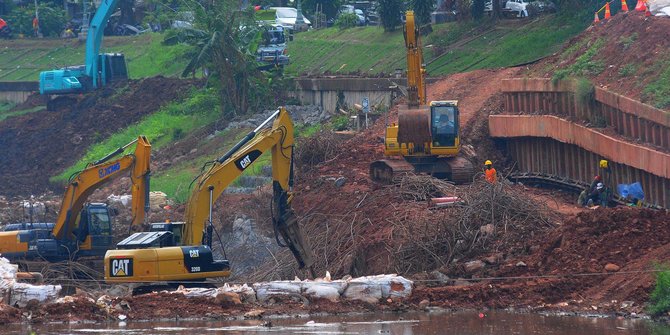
84,23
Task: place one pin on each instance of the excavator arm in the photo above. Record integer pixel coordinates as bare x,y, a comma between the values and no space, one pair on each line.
211,184
156,256
416,71
84,183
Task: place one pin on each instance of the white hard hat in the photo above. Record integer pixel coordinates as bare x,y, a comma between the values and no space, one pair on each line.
600,186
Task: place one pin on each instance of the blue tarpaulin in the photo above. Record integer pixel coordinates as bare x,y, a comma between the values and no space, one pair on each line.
633,190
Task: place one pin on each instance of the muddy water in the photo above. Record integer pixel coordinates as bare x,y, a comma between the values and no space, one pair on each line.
465,323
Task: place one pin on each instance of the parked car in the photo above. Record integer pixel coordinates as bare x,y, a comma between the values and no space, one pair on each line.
349,9
517,6
286,16
272,50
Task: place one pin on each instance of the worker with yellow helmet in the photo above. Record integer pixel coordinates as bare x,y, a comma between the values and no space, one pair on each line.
490,172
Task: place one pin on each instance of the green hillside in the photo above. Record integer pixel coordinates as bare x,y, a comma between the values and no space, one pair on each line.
23,59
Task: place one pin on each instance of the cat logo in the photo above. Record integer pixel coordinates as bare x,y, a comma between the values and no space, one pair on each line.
121,267
245,162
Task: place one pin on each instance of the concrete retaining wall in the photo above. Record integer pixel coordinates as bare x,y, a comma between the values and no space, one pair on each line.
324,91
17,91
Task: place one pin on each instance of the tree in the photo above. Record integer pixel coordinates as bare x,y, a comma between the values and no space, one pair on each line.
328,7
390,13
478,7
224,40
422,10
127,13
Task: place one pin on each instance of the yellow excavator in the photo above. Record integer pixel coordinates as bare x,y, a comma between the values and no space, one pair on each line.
427,136
82,229
173,252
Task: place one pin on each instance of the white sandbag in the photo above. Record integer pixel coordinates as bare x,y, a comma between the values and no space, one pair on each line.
194,292
123,200
157,200
246,293
267,290
22,293
330,290
363,291
7,278
388,286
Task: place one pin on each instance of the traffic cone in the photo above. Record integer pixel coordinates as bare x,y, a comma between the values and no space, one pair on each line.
640,7
608,14
597,19
647,13
624,6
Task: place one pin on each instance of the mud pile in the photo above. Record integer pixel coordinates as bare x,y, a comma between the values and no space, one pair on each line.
600,260
39,145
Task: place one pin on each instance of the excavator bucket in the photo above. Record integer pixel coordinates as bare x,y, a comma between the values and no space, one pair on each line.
286,226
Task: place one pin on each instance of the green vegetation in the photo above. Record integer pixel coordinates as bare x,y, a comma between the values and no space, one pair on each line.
162,128
7,113
505,47
6,106
628,70
659,299
584,65
346,21
266,15
626,42
339,51
658,91
145,55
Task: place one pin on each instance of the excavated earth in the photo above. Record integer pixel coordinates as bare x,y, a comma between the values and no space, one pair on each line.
588,261
39,145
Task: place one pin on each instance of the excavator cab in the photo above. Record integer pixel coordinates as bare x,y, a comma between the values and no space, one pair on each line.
444,127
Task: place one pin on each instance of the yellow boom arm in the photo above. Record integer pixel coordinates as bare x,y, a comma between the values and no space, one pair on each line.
98,173
210,185
416,72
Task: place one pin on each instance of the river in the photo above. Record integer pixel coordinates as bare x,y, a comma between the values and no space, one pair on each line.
464,323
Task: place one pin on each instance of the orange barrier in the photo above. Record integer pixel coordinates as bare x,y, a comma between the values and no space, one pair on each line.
608,13
624,6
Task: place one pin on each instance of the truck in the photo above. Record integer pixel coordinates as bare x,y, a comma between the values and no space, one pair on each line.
272,51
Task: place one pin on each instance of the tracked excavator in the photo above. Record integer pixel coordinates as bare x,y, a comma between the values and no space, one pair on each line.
82,229
179,253
427,136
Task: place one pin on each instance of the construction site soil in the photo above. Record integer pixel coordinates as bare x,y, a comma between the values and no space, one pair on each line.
38,145
557,256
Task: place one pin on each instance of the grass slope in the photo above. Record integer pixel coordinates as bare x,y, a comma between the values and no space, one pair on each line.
23,59
370,50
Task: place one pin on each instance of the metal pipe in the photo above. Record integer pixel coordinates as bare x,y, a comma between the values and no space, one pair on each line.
210,228
247,138
114,153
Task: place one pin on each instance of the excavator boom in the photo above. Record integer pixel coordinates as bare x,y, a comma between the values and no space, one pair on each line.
427,135
161,259
80,227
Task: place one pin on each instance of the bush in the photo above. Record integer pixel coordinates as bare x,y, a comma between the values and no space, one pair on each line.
340,123
659,299
390,13
346,20
52,20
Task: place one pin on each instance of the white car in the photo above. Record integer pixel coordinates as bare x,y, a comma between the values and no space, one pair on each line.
518,6
286,16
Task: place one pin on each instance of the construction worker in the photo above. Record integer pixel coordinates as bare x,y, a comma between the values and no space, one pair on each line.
36,26
597,196
584,196
490,172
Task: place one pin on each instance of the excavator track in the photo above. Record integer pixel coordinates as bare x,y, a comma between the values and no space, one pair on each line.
458,170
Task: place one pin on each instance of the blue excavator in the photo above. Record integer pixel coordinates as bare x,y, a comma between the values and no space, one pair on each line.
99,69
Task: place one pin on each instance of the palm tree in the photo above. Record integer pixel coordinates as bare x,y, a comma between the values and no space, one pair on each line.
224,39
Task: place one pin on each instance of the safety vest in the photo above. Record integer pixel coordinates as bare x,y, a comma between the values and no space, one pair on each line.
490,175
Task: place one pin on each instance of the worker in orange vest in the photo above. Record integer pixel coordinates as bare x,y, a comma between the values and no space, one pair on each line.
490,172
36,26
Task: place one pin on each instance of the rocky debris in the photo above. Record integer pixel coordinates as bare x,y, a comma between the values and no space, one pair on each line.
521,264
157,200
308,115
474,266
610,267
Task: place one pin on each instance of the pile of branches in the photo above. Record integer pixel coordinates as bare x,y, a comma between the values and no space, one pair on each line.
489,218
315,149
421,187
